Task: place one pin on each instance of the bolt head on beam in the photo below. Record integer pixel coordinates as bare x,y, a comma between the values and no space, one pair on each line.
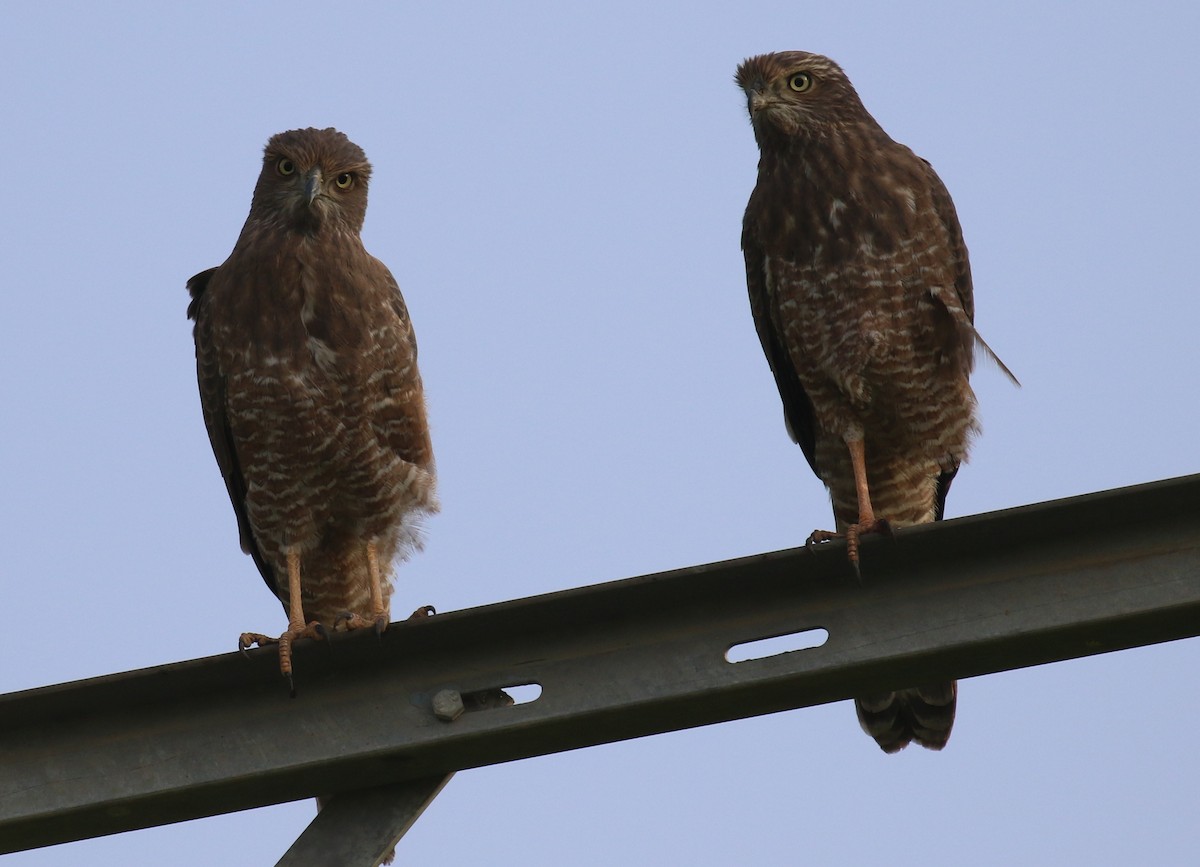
447,705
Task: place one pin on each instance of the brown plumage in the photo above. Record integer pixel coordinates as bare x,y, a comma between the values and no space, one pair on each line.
861,294
307,366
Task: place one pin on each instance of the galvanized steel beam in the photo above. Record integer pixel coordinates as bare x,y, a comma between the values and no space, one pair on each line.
619,660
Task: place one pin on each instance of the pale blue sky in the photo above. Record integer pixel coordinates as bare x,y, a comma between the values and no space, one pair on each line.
559,188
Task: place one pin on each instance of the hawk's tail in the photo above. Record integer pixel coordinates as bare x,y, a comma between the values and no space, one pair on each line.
924,714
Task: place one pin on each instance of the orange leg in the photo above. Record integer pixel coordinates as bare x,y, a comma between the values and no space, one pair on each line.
378,612
867,522
858,462
297,628
379,616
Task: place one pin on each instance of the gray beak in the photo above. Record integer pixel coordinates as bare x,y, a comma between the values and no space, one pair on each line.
312,185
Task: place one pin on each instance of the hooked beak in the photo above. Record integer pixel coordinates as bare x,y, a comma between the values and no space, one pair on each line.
312,186
756,99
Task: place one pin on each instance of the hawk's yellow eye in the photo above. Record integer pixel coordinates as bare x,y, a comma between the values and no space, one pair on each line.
800,82
345,181
285,167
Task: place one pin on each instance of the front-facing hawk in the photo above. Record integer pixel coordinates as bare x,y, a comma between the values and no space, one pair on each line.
861,294
308,377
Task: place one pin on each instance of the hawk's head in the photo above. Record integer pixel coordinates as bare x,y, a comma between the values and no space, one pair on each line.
312,179
795,93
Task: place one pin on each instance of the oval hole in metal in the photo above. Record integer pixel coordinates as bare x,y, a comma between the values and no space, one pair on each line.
777,645
525,692
488,699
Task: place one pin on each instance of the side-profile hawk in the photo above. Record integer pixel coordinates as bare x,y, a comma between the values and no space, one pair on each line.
861,294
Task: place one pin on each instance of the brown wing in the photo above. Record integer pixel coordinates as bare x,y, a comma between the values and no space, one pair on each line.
213,403
961,305
400,421
944,206
797,407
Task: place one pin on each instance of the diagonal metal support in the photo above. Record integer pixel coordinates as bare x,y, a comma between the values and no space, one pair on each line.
619,660
360,828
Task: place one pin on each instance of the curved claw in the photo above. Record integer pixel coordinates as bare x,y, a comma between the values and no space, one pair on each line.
320,633
423,611
314,630
348,620
818,536
855,531
252,639
851,534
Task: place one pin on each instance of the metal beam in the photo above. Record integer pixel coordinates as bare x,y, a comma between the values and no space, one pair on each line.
619,660
362,827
